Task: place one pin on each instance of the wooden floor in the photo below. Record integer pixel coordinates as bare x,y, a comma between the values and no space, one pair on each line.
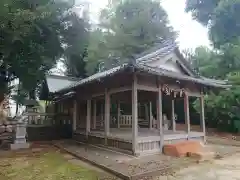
144,134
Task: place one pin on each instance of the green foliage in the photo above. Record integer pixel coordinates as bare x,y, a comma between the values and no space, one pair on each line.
202,10
127,28
97,51
204,60
220,16
224,25
76,37
30,39
222,19
34,36
222,106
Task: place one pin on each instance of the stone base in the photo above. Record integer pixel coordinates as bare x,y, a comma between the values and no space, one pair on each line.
19,146
182,148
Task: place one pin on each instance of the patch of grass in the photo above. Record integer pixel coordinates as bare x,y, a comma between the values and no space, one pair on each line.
46,166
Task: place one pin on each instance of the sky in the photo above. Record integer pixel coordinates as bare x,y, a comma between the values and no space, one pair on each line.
191,33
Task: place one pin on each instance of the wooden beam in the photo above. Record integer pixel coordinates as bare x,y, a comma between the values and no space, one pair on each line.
134,115
107,114
98,95
113,91
147,88
88,119
186,112
202,117
173,116
120,89
160,120
94,114
74,115
193,94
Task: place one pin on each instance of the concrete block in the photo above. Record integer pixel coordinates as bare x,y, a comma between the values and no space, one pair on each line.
19,146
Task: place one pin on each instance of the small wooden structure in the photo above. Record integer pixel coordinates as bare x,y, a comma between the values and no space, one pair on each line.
96,102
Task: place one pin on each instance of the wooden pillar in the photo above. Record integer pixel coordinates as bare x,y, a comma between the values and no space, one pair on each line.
173,116
88,123
79,117
186,112
102,112
158,105
146,113
159,114
134,115
74,123
118,114
94,114
150,116
107,114
202,117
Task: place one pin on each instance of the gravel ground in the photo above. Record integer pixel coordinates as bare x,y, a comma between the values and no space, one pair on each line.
222,169
170,168
223,141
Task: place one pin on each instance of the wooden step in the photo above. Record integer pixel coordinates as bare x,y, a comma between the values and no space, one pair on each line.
115,149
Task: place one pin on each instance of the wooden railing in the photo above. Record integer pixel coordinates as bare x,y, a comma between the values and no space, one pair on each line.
47,126
45,119
125,121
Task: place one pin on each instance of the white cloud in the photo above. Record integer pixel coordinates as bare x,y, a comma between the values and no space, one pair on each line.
191,33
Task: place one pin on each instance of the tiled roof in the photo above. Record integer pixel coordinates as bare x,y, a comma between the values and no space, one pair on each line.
56,83
163,50
223,82
97,76
159,51
171,74
148,69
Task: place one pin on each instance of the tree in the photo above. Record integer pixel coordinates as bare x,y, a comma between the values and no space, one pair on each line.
129,27
97,51
202,10
19,95
34,36
76,38
220,16
30,39
205,61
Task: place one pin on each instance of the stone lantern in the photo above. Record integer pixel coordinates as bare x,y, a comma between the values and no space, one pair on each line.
20,134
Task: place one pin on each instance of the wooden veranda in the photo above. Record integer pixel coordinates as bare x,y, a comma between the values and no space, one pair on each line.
124,107
132,129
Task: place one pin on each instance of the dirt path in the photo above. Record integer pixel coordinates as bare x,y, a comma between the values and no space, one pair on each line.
222,169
